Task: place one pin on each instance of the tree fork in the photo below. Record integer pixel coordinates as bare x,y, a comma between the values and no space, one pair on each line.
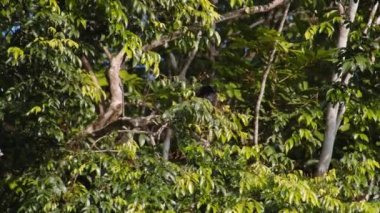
115,108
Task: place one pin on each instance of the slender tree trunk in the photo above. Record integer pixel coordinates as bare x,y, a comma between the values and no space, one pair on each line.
265,77
335,111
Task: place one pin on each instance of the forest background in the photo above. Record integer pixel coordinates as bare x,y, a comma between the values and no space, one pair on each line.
99,109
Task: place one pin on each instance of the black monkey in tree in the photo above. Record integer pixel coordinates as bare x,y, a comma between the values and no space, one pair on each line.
209,93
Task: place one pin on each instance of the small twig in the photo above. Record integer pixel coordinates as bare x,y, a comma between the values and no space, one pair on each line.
254,24
97,140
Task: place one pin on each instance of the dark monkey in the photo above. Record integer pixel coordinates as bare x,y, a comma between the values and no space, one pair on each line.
209,93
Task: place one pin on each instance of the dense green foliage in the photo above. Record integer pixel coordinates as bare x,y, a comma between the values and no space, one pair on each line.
48,96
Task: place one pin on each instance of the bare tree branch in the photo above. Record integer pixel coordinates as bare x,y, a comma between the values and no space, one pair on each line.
370,189
371,17
140,121
163,40
107,52
173,62
251,10
193,53
116,103
265,76
228,16
256,23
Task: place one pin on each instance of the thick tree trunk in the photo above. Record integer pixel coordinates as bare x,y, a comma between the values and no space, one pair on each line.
115,108
335,111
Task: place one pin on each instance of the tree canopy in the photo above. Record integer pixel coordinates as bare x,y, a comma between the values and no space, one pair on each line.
102,107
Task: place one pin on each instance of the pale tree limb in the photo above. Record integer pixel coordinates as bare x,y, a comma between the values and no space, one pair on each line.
251,10
348,76
335,111
163,40
173,62
115,107
107,52
377,22
225,17
140,121
370,189
256,23
166,145
264,80
371,17
193,53
182,74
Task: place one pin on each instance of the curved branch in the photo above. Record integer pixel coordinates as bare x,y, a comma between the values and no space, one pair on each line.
371,17
193,53
251,10
163,40
225,17
265,76
115,108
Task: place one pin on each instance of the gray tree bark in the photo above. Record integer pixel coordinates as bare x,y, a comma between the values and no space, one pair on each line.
335,111
115,108
166,145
